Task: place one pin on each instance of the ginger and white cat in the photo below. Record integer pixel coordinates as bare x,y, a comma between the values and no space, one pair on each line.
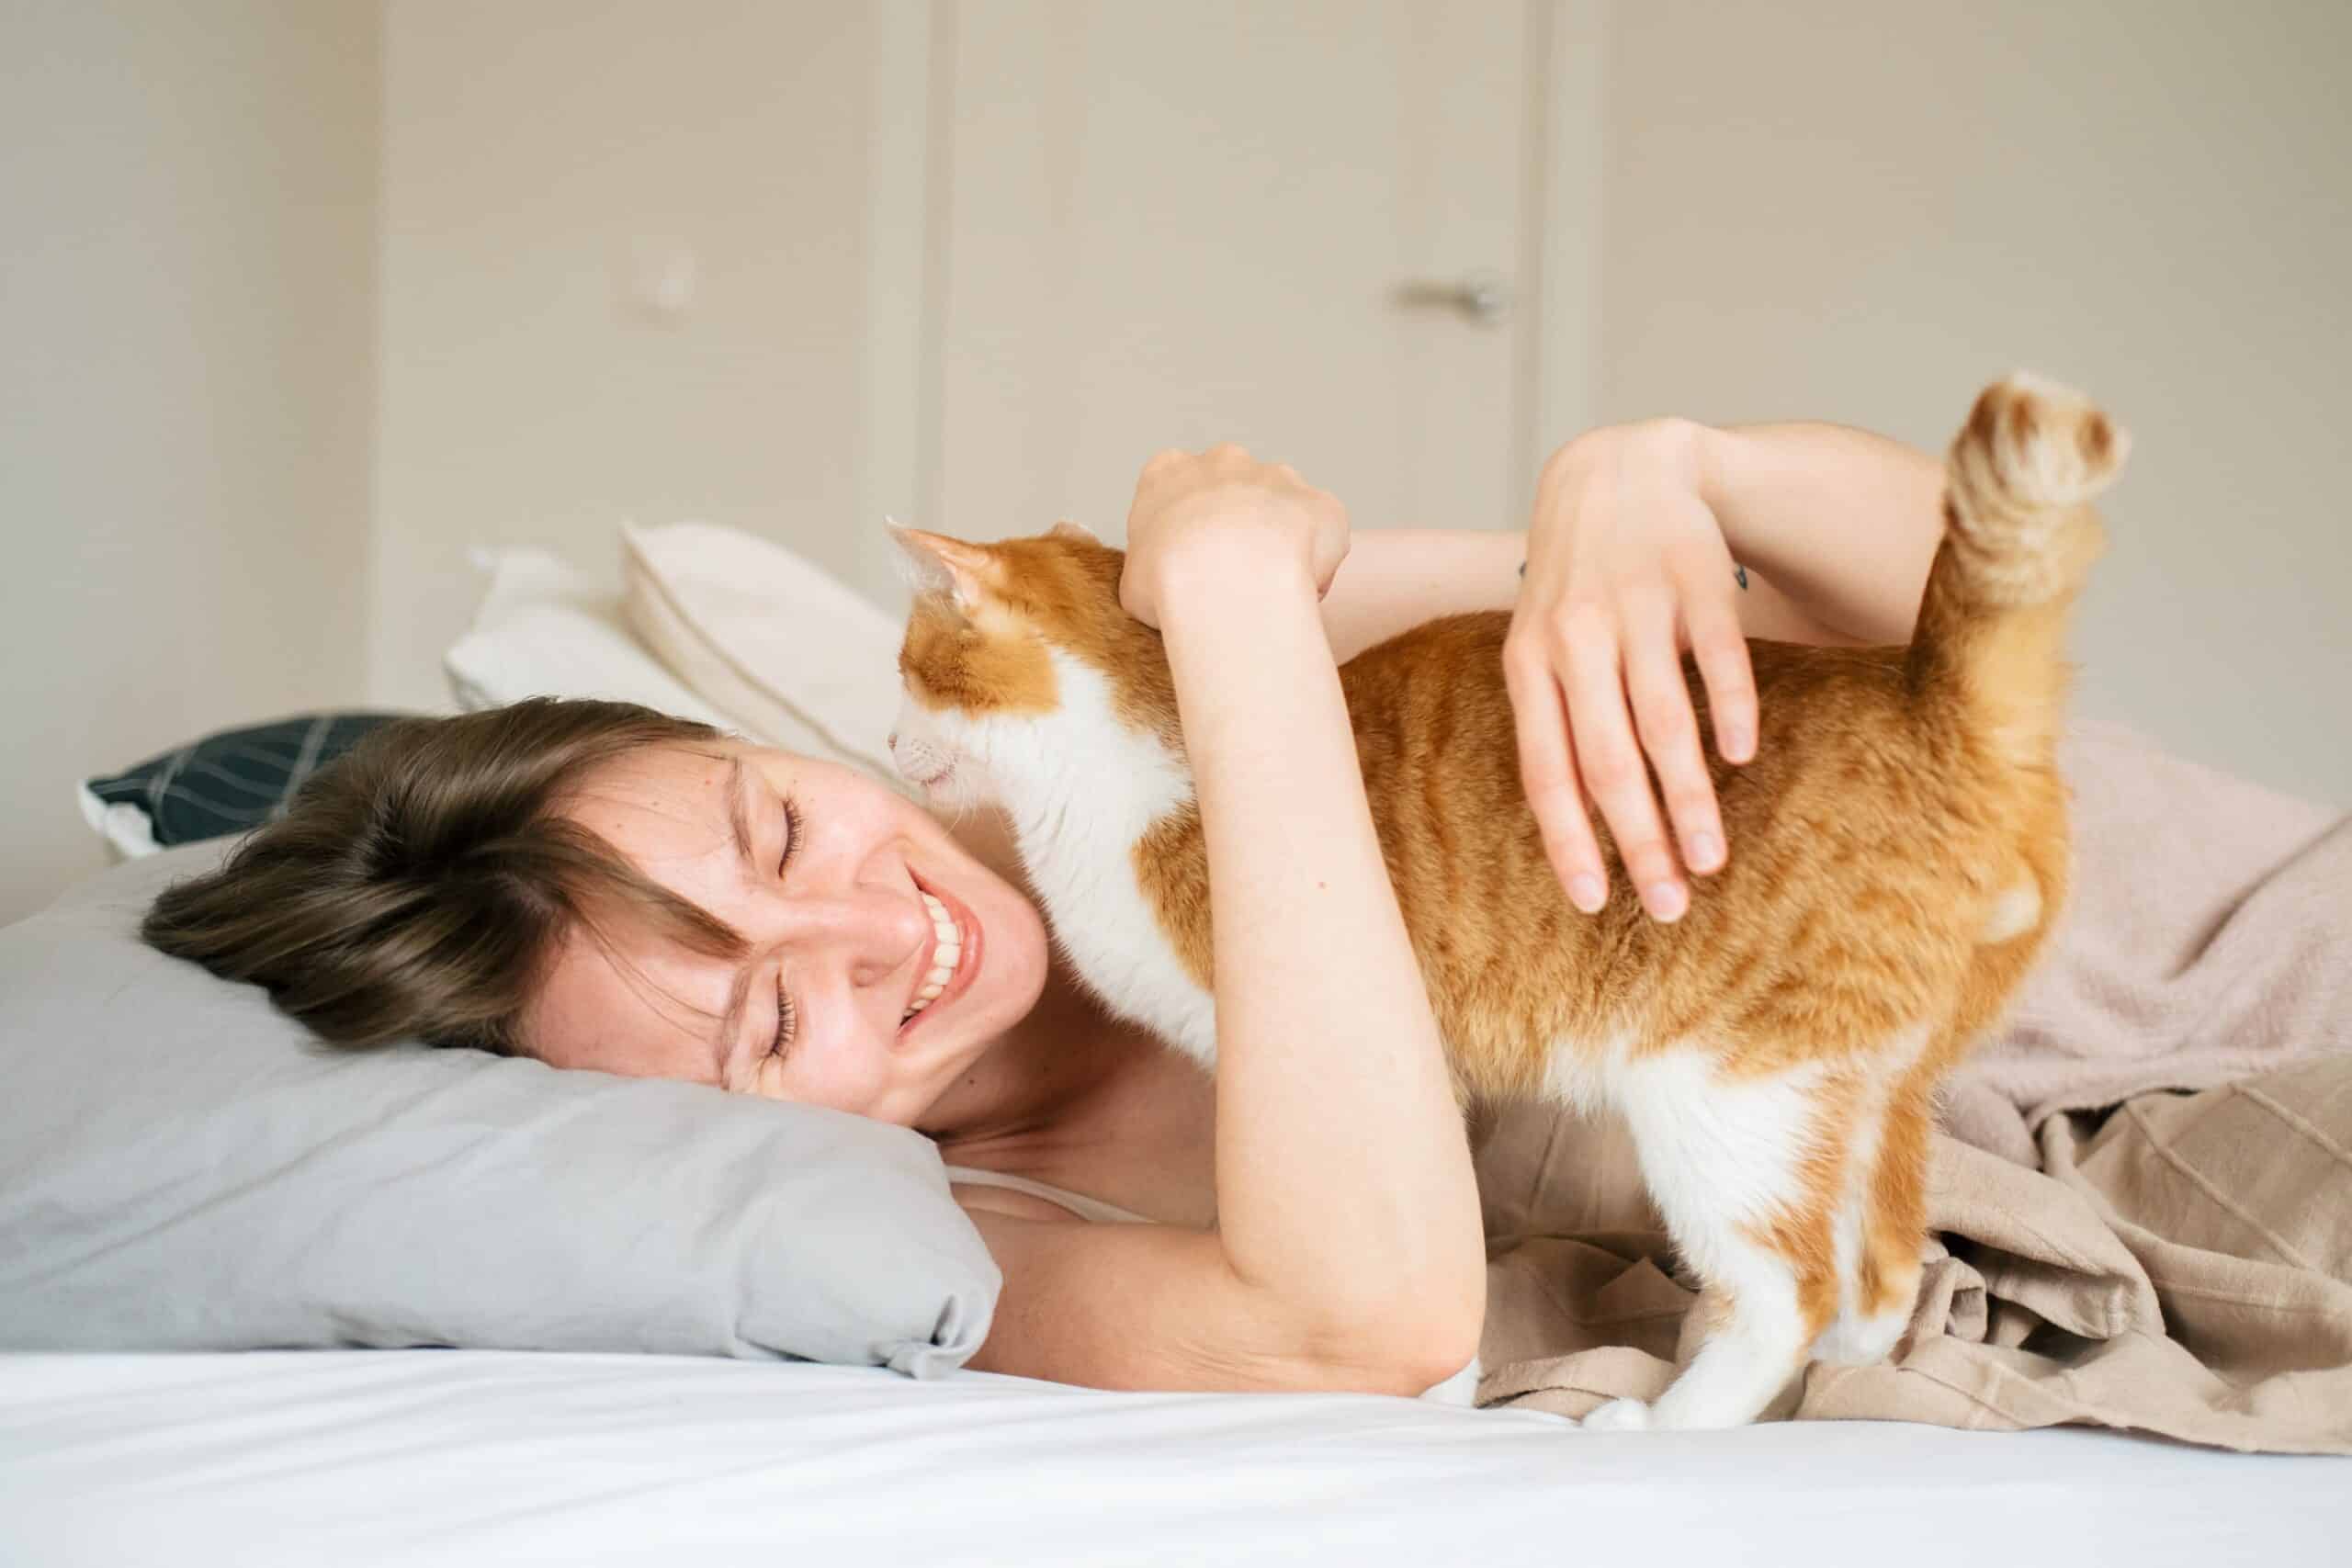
1899,852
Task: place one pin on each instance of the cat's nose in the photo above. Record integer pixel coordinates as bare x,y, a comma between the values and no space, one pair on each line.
892,742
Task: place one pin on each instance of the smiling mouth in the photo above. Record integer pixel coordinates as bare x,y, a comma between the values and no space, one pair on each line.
955,956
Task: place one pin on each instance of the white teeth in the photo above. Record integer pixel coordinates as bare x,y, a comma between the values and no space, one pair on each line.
946,952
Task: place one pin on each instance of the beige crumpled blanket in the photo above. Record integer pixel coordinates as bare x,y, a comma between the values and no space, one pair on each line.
2143,1200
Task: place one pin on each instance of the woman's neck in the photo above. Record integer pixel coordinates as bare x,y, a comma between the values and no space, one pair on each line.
1060,1056
1072,1097
1070,1094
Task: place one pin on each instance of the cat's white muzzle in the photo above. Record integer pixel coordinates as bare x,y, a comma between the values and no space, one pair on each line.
922,759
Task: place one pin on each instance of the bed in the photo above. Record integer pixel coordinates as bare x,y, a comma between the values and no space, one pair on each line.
490,1456
487,1456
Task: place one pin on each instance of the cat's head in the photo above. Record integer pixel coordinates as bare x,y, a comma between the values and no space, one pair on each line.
1022,672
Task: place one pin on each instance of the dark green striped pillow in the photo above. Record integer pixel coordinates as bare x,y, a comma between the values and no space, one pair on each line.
238,779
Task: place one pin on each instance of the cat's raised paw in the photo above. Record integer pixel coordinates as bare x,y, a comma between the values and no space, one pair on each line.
1620,1416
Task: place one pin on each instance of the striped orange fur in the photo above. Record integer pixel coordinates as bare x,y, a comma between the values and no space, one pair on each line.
1899,851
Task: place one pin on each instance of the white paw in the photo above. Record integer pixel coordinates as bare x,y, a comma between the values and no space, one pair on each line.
1619,1415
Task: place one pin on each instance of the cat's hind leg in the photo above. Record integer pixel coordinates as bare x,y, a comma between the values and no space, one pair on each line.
1748,1171
1882,1223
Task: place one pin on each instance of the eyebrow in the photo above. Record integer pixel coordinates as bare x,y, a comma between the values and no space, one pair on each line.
739,824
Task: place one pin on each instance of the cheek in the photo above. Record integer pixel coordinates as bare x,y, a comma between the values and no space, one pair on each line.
847,1071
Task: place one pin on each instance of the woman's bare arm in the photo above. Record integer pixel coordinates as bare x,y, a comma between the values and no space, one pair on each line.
1650,539
1348,1250
1343,1172
1396,579
1843,522
1160,1307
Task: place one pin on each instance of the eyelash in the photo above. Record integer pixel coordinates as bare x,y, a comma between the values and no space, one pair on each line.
791,833
787,1016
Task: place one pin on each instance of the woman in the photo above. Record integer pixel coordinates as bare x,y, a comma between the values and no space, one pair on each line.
602,887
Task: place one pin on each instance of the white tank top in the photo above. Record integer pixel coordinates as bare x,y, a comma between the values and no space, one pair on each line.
1078,1203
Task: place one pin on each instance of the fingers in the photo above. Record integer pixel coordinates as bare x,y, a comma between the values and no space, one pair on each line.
1547,772
1669,734
1721,651
1620,558
1609,761
1225,489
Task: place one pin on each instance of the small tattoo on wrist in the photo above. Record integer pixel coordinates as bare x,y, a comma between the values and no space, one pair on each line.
1739,573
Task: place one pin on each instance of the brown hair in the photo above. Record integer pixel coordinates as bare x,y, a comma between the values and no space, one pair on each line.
416,888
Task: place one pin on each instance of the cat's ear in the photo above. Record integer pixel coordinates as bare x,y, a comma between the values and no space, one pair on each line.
1066,529
965,573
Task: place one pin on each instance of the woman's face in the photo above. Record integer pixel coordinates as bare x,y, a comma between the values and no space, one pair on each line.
851,901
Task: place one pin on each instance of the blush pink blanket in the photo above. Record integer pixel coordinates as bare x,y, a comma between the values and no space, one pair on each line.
2143,1198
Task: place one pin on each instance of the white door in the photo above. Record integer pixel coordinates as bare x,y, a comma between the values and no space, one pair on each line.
1171,224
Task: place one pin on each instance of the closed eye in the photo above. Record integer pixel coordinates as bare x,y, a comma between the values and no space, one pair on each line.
787,1016
791,833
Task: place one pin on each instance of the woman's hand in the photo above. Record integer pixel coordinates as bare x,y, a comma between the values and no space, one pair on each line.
1226,503
1627,567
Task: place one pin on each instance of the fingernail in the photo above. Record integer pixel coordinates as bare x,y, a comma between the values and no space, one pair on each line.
1738,745
1587,892
1666,901
1705,852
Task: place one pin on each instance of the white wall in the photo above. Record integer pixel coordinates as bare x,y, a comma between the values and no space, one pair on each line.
1859,212
186,314
1838,210
534,150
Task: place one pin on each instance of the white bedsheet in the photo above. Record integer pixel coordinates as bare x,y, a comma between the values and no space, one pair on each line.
475,1457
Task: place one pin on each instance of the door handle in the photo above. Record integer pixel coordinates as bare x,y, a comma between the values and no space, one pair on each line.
1482,297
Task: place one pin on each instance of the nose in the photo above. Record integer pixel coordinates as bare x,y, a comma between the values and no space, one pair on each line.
875,932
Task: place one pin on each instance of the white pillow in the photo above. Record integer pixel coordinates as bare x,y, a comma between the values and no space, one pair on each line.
129,832
544,631
796,657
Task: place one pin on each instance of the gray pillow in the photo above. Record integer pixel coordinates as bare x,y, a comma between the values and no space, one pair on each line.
184,1167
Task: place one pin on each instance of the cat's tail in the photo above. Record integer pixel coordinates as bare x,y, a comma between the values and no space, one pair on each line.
2020,537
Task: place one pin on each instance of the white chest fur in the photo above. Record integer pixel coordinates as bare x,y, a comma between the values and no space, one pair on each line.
1082,788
